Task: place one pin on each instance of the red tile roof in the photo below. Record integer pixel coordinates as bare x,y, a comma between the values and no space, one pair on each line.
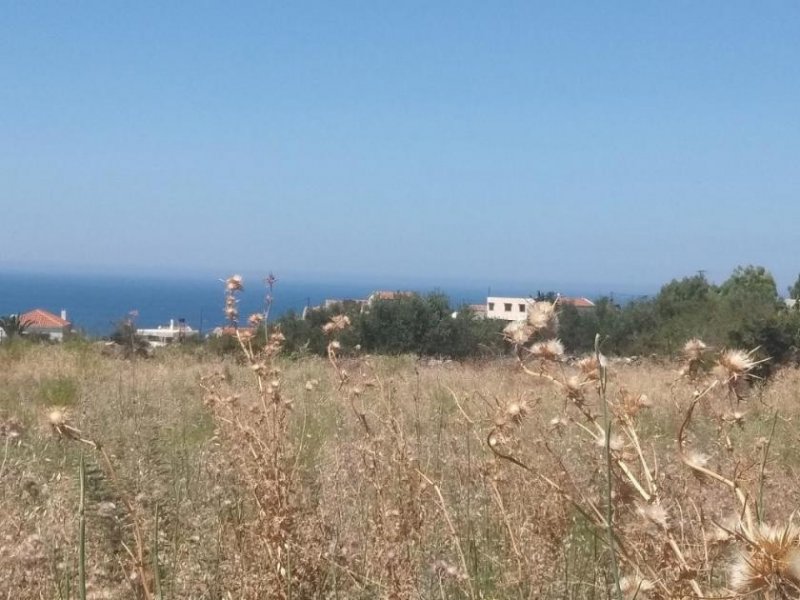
40,318
577,302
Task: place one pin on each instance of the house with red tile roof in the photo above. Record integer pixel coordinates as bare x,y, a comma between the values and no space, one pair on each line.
579,303
41,322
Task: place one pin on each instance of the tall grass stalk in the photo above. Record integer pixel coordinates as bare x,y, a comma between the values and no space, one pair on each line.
156,570
609,475
82,530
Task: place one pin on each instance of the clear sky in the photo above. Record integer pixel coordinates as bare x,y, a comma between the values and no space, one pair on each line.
619,142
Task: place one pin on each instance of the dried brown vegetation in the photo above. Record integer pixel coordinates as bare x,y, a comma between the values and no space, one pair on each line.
376,477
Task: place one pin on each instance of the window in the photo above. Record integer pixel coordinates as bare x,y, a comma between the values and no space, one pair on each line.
507,306
491,305
521,308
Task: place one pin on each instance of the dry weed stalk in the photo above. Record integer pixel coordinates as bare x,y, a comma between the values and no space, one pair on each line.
396,509
264,456
140,567
770,560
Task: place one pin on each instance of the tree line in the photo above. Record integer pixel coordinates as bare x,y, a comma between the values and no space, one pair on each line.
745,311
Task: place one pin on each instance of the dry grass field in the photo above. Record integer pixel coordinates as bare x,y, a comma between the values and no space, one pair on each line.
389,477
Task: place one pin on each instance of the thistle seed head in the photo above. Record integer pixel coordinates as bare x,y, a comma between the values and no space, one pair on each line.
654,513
549,350
518,332
337,323
693,349
234,283
773,562
635,587
736,363
542,316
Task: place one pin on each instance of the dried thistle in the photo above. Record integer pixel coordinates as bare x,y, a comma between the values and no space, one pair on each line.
635,587
736,363
693,349
516,411
615,442
697,460
772,562
234,283
549,350
337,323
518,332
590,366
654,513
542,316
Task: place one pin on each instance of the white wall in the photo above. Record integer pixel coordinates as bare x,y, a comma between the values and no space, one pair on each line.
506,308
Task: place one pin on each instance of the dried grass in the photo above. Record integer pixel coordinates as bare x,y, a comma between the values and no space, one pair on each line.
378,477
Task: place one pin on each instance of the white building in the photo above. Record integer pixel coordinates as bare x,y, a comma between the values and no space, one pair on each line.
507,308
516,309
167,334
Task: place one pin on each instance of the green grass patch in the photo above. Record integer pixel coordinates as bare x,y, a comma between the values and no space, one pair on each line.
58,391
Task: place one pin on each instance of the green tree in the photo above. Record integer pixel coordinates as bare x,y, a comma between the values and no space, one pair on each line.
132,343
752,283
13,326
794,289
682,310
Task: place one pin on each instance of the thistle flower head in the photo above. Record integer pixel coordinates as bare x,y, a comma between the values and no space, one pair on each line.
615,442
518,332
589,366
697,460
255,319
631,404
693,349
654,513
337,323
542,316
734,417
773,561
574,387
635,587
234,283
736,363
57,418
516,410
549,350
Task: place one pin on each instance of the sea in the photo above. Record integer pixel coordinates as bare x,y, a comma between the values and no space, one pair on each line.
95,304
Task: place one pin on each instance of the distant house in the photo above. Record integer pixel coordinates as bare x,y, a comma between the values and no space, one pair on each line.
507,308
513,308
790,302
43,323
582,304
164,335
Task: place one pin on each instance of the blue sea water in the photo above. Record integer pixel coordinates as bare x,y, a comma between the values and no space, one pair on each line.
95,303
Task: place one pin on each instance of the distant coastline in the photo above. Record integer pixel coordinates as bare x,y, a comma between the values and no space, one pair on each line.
95,303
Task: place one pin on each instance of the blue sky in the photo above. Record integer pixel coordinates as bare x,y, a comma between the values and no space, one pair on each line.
603,142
